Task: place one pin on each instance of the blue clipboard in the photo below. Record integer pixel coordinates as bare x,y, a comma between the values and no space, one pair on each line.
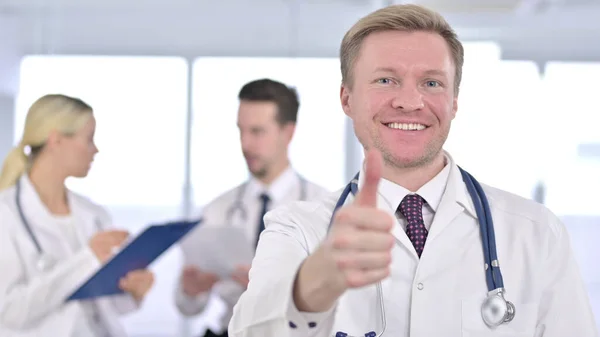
138,254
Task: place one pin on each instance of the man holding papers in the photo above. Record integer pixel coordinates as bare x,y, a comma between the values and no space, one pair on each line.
266,120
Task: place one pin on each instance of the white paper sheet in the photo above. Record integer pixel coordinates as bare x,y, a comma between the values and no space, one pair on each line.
219,249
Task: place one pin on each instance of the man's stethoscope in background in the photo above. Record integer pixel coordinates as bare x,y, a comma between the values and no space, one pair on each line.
495,309
238,203
44,262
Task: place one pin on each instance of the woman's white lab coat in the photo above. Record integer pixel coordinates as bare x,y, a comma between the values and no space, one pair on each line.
438,295
32,302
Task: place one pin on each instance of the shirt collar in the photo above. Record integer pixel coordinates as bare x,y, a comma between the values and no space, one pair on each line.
278,189
449,179
432,191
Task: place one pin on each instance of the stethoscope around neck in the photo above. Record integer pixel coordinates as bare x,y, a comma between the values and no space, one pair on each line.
238,203
495,309
44,261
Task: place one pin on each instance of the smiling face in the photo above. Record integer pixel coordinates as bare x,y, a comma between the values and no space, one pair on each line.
402,96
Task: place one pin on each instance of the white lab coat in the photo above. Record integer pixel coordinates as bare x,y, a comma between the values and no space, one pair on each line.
32,301
440,294
220,212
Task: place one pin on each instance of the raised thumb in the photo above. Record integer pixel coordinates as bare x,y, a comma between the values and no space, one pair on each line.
367,194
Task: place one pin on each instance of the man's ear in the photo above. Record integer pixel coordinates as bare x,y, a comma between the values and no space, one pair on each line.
289,129
454,106
345,99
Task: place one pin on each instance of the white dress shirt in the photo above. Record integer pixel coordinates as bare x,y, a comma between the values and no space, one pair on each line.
431,192
289,186
439,294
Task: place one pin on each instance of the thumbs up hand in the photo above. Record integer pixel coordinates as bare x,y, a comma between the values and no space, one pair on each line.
360,241
357,251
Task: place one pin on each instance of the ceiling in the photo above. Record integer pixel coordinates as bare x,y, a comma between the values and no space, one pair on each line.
537,29
446,6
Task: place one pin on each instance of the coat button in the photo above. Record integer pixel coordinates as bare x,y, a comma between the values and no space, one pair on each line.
420,286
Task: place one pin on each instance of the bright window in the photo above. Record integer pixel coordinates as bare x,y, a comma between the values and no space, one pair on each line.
496,134
140,106
572,181
317,150
571,117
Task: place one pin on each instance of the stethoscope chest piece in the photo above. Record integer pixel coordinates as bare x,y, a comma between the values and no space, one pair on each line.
496,310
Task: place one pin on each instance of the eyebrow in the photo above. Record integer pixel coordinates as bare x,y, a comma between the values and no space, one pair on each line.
385,70
429,72
435,72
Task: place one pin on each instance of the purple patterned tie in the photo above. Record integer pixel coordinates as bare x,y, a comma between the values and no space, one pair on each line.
411,208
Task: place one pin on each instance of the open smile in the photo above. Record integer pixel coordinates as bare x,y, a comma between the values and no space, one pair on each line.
406,126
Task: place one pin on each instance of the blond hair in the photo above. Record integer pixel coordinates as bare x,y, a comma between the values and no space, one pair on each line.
49,113
407,18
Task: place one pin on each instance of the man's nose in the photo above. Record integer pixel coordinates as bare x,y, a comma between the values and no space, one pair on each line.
408,98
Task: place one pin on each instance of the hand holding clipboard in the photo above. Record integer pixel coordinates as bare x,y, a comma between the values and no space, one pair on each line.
138,254
104,243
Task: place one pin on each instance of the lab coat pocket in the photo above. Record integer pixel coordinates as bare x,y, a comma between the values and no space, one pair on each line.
523,324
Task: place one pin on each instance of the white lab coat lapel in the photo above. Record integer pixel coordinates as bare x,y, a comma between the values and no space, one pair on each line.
49,236
454,222
451,204
398,232
454,201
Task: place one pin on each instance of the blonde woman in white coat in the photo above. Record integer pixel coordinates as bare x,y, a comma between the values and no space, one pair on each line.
51,239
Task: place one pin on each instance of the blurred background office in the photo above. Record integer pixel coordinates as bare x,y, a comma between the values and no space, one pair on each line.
163,78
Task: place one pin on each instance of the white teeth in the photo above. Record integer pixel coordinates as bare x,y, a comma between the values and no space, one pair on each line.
406,126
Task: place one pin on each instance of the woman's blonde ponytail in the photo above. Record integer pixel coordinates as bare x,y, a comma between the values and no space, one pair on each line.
14,166
50,112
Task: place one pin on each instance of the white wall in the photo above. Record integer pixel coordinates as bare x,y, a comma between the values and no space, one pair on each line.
7,112
10,55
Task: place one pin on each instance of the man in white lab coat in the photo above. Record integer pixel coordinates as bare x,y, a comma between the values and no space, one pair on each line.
403,255
266,120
